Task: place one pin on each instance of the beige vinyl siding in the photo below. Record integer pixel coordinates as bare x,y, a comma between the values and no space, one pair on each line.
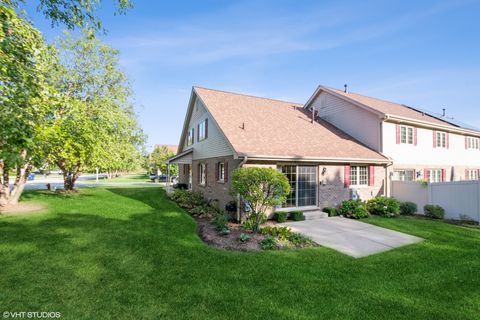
357,122
215,145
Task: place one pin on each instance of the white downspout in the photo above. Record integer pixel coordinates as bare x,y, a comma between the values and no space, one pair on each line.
239,217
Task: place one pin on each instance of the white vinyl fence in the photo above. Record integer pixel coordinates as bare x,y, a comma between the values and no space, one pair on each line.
461,199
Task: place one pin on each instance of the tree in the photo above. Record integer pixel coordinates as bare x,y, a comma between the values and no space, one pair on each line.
94,126
158,159
260,189
74,13
24,95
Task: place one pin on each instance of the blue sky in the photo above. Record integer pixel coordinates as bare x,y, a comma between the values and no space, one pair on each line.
421,53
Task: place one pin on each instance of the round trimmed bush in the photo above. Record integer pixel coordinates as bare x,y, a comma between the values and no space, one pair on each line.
408,208
355,209
383,206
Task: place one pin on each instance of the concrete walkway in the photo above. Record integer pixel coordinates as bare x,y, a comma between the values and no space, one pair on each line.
351,237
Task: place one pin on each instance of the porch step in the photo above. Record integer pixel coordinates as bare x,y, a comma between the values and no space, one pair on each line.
315,214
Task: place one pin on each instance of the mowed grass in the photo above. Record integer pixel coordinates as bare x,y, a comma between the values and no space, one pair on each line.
129,253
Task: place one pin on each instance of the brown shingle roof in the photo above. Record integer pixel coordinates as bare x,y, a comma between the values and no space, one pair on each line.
267,127
387,107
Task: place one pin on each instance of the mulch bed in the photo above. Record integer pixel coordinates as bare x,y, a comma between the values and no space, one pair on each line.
210,235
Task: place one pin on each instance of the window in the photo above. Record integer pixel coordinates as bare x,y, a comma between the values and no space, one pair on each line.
406,135
221,171
403,175
202,130
472,143
441,140
202,173
358,175
190,137
471,175
435,175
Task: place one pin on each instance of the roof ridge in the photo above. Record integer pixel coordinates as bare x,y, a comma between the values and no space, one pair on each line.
248,95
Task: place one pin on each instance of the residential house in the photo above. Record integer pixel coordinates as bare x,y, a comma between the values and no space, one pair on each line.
337,146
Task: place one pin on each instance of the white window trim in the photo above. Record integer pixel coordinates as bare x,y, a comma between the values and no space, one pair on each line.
202,130
431,175
189,143
358,176
221,172
444,135
407,135
475,174
202,174
405,170
473,143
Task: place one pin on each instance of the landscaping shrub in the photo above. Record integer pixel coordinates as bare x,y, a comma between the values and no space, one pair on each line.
434,211
281,233
383,206
269,243
297,215
280,216
355,209
244,237
250,223
408,208
299,240
187,199
220,222
224,231
332,212
260,188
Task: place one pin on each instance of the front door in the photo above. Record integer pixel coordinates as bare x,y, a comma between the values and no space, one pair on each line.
303,185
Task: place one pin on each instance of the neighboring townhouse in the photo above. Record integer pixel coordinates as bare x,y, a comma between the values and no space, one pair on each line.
422,146
223,131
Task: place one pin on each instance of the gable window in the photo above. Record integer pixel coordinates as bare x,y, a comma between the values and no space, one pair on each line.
406,135
403,175
358,175
471,174
190,137
203,130
441,139
472,143
202,173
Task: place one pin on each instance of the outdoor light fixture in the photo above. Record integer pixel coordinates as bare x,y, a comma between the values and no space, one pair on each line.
324,170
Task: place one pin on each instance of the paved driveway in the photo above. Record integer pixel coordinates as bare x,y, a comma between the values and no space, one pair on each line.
352,237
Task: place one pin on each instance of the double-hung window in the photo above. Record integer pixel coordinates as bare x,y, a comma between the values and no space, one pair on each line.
406,135
202,173
472,174
202,130
221,171
358,175
441,139
472,143
403,175
190,137
435,175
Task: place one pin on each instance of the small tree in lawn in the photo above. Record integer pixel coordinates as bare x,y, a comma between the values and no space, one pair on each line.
260,189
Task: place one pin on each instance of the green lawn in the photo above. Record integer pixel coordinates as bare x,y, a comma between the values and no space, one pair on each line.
111,253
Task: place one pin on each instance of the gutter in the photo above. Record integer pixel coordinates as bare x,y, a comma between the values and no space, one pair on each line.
323,160
429,125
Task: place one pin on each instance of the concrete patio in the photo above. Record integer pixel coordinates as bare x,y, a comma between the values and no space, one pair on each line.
352,237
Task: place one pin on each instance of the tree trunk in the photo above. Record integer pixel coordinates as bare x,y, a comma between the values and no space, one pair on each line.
4,185
19,184
69,180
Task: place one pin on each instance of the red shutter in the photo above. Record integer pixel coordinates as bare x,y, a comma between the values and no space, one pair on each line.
216,171
346,176
206,128
444,175
447,143
466,174
371,175
434,138
426,174
225,174
398,133
466,142
415,136
478,174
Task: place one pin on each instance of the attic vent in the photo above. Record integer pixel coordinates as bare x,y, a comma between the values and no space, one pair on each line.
346,88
